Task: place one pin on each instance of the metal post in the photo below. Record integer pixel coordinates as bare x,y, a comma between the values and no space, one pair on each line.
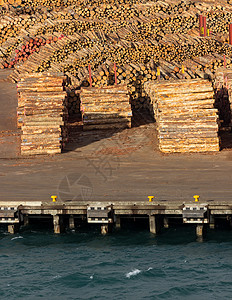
115,74
200,24
158,73
90,77
230,34
204,25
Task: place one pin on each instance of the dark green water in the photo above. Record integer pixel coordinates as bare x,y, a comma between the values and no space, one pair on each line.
124,265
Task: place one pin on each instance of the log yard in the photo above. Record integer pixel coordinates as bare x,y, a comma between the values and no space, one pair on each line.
116,110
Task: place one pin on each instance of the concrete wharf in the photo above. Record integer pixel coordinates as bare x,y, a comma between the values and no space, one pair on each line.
110,214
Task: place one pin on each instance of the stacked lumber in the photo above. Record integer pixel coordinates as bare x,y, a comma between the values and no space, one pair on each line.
105,107
42,113
223,91
186,118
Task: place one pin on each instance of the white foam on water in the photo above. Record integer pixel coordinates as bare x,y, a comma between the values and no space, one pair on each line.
56,277
133,273
17,237
149,269
91,277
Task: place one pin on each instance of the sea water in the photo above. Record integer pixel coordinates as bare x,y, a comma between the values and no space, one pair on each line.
36,264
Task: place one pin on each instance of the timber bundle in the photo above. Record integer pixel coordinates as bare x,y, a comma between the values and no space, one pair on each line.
223,90
186,118
42,113
139,36
106,107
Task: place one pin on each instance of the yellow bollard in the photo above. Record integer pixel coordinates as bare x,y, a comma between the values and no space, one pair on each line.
150,198
54,198
196,197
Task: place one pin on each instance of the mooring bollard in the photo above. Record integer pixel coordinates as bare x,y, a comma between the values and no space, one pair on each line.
196,197
150,198
54,198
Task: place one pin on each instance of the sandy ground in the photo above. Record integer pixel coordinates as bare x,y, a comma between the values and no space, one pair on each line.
107,166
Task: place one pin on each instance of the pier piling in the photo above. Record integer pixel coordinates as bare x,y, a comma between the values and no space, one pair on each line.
154,223
56,224
118,222
211,222
71,222
166,223
13,228
104,229
25,220
199,230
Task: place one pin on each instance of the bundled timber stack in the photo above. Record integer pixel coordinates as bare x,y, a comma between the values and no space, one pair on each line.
42,113
106,107
186,118
223,91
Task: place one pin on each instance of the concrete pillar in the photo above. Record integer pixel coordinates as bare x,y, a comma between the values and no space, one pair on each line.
199,230
154,223
56,224
211,222
71,222
13,228
166,223
104,229
25,220
118,222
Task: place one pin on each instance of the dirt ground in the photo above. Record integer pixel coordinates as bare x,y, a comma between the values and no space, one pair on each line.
107,166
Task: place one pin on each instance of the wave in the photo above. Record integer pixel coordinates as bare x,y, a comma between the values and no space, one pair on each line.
133,273
17,237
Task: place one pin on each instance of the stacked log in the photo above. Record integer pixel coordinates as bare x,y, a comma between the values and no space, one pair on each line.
186,118
223,91
42,113
105,107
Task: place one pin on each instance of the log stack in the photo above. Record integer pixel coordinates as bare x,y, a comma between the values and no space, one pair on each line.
42,113
223,91
106,107
186,118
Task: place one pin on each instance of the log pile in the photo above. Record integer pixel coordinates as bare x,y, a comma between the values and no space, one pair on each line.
105,108
223,91
42,113
186,118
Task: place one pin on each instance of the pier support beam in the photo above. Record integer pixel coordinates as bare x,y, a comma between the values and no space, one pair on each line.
118,222
154,222
211,222
200,230
57,224
25,220
13,228
104,229
166,223
71,222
